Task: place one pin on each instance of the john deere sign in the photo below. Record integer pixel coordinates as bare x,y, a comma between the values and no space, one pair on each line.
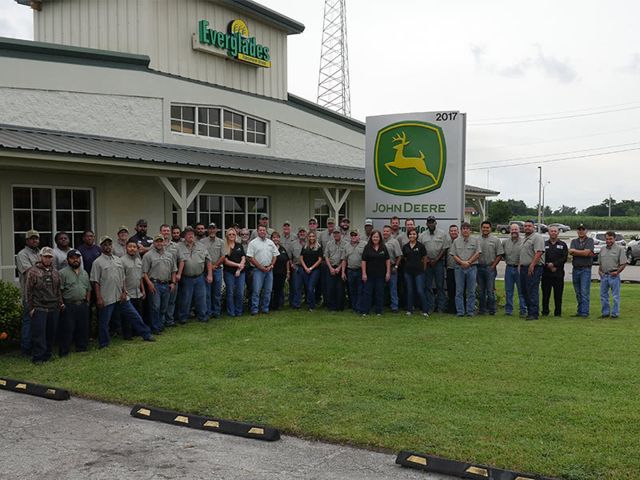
415,166
235,43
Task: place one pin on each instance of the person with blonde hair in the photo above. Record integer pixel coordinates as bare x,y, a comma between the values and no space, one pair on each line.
310,259
234,263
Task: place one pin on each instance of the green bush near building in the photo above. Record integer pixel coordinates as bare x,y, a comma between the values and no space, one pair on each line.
10,313
557,397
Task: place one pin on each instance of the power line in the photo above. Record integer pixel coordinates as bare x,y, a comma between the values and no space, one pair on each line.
554,154
554,140
546,119
554,160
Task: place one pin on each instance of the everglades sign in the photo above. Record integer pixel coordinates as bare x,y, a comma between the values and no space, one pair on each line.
415,166
235,43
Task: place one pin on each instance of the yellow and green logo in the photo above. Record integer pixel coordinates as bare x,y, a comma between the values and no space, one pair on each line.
236,41
410,158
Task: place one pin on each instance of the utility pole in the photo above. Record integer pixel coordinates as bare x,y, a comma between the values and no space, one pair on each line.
609,205
540,194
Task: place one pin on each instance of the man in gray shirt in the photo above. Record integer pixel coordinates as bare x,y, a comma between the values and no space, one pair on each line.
613,261
491,255
297,272
334,260
108,278
214,246
194,263
436,243
76,293
25,259
159,273
395,256
512,246
465,250
581,250
531,267
353,263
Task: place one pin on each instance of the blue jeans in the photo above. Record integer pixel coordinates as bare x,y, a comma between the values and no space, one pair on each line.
335,292
73,324
511,282
435,274
582,285
310,281
261,290
159,304
531,288
466,282
128,313
373,288
296,283
487,289
393,290
354,285
235,293
44,326
171,317
190,288
214,294
25,337
608,282
414,284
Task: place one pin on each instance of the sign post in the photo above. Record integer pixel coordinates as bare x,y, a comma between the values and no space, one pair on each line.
415,167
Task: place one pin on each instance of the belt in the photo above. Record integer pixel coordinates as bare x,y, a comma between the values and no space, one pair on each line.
581,268
162,282
512,265
354,269
75,302
193,276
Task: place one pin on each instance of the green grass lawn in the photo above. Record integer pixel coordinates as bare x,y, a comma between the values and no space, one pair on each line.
559,397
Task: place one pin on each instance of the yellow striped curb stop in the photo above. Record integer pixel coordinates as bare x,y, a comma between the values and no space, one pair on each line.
44,391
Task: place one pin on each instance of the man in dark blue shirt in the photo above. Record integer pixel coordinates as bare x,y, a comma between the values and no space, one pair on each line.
555,256
89,250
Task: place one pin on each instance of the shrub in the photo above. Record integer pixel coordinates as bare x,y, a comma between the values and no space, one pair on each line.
10,313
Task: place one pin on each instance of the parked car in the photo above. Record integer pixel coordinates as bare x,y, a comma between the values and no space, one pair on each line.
633,250
541,228
562,228
507,228
599,242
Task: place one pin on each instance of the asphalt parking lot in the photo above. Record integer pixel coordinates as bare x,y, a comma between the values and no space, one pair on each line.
84,439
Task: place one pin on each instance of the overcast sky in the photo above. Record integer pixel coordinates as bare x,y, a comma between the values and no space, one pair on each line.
540,81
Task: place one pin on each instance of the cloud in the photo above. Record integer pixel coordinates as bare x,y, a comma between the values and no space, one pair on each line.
633,66
554,68
550,66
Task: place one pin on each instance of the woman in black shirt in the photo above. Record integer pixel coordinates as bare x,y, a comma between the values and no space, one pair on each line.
310,258
414,255
280,273
234,263
376,270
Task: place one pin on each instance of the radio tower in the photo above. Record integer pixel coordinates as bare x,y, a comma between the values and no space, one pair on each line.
333,80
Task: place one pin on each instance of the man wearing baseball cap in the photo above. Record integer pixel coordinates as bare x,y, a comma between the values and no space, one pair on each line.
108,279
582,252
263,221
27,258
143,240
44,302
368,228
76,293
159,273
214,245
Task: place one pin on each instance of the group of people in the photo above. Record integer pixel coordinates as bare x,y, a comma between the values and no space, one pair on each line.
141,284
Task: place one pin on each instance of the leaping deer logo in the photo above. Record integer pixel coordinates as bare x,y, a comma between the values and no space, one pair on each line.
401,162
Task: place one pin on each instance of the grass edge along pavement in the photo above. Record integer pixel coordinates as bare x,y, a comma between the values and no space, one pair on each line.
558,397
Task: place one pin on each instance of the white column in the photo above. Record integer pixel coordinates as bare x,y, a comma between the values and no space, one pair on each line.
336,201
183,198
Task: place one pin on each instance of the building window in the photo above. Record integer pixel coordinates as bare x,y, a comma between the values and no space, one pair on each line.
225,210
215,122
183,119
322,211
49,210
209,122
256,131
233,126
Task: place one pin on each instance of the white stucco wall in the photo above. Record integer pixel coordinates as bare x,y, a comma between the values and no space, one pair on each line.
121,116
299,143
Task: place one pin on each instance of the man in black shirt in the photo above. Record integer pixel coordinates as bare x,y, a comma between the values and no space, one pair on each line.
555,256
141,238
